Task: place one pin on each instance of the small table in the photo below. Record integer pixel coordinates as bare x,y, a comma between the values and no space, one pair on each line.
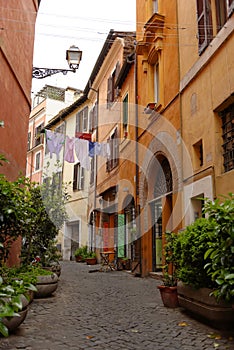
106,264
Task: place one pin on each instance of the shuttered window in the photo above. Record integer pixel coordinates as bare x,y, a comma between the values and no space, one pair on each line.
78,177
125,111
113,141
204,22
29,141
111,91
228,137
82,121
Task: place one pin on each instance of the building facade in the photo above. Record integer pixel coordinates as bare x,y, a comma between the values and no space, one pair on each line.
16,56
111,208
185,141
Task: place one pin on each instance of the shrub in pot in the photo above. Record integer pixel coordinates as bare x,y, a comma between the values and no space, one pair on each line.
168,290
81,253
220,254
91,258
195,250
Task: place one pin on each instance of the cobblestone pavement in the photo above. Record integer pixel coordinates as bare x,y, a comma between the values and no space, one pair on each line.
109,311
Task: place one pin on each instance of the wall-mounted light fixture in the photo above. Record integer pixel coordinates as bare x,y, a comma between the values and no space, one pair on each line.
1,123
73,57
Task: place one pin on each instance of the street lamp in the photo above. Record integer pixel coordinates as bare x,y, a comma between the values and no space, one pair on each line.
73,57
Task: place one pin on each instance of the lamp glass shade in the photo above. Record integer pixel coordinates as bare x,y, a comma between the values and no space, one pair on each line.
73,57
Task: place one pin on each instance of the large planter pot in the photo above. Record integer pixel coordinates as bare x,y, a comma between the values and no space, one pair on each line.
205,307
56,268
169,296
46,285
12,323
91,261
79,258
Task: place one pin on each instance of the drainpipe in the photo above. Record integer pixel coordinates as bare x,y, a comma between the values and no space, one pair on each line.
95,165
137,158
180,100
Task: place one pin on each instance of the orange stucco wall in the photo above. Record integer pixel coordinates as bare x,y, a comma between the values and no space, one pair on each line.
16,54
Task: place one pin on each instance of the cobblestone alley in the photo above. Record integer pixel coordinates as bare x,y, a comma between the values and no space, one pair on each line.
109,311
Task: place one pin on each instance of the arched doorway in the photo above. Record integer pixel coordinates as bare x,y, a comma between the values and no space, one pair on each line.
161,208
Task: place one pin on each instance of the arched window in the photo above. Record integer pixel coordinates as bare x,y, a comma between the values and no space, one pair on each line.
163,182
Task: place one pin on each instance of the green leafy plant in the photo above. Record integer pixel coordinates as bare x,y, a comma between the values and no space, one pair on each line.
46,216
220,252
81,252
170,266
189,250
10,304
14,209
91,255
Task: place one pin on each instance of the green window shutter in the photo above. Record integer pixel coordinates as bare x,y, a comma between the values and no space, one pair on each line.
125,110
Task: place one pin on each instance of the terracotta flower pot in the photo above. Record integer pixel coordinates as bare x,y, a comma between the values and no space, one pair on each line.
91,261
169,296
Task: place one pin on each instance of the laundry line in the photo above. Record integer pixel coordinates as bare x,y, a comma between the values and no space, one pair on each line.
83,149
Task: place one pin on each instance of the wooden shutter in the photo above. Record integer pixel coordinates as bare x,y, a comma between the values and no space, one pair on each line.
75,175
85,120
81,178
125,110
109,91
29,141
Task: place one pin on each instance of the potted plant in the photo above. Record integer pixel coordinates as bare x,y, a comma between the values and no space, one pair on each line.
168,290
220,254
200,253
15,294
91,258
81,253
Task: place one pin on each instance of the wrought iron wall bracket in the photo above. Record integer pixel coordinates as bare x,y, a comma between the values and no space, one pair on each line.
40,73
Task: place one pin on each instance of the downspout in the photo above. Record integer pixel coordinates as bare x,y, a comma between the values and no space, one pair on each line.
137,159
95,165
180,102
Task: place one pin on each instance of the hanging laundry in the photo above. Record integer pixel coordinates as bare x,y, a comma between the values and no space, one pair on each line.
82,152
92,149
54,142
105,150
69,149
98,147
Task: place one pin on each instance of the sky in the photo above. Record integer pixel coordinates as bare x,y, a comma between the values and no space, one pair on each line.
83,23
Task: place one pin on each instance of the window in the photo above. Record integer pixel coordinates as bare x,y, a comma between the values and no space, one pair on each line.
111,91
222,9
198,154
230,6
29,141
114,151
228,137
38,161
38,135
82,121
204,22
78,177
92,163
156,83
93,117
60,129
125,115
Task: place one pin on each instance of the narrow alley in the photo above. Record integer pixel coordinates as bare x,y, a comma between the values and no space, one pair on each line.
109,310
